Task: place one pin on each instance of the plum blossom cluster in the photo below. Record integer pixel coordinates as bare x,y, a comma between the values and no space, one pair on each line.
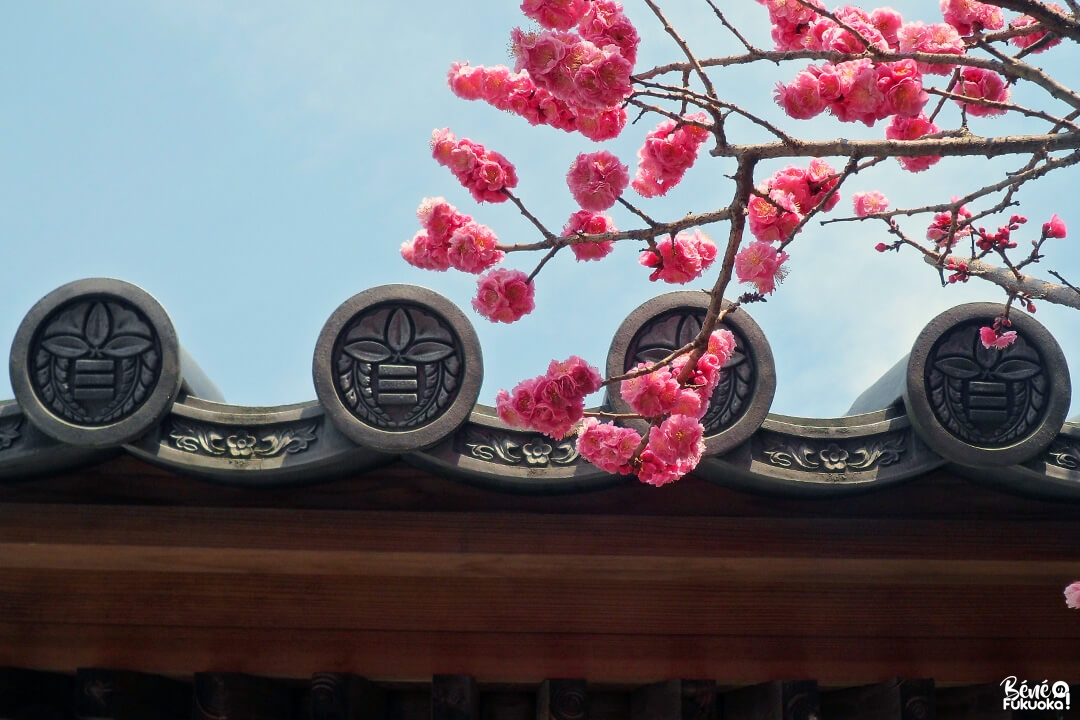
516,93
573,75
681,258
867,91
780,203
551,403
450,239
597,180
1035,38
589,223
504,295
588,68
484,173
668,152
855,91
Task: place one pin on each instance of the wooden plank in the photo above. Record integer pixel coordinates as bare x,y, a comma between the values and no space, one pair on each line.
142,558
562,699
236,696
777,700
454,697
103,694
400,487
341,696
453,604
30,694
891,700
522,533
517,657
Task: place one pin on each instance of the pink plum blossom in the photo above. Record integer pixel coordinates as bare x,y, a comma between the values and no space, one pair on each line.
474,248
1055,227
607,446
868,203
1072,596
596,180
605,23
680,259
589,223
668,152
993,339
653,394
518,94
555,14
981,84
969,16
939,38
504,295
760,264
679,439
912,128
551,403
1026,41
654,471
484,173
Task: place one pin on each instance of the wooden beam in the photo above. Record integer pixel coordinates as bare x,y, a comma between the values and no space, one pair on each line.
517,657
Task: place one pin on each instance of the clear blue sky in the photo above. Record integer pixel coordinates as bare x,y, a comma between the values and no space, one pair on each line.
254,164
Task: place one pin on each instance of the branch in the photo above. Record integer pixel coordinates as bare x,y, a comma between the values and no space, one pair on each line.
968,145
1024,285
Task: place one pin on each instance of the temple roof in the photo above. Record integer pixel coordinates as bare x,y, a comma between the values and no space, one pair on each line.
97,369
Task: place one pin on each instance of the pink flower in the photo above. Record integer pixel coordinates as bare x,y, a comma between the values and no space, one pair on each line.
1026,41
589,223
980,84
939,38
596,180
551,403
605,23
555,14
668,152
992,338
968,16
721,345
868,203
651,395
1072,596
678,440
680,259
504,295
1055,228
945,230
912,128
474,248
607,446
484,173
574,377
801,98
775,217
654,471
761,264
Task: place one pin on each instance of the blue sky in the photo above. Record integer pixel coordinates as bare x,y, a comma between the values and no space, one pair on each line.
254,164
